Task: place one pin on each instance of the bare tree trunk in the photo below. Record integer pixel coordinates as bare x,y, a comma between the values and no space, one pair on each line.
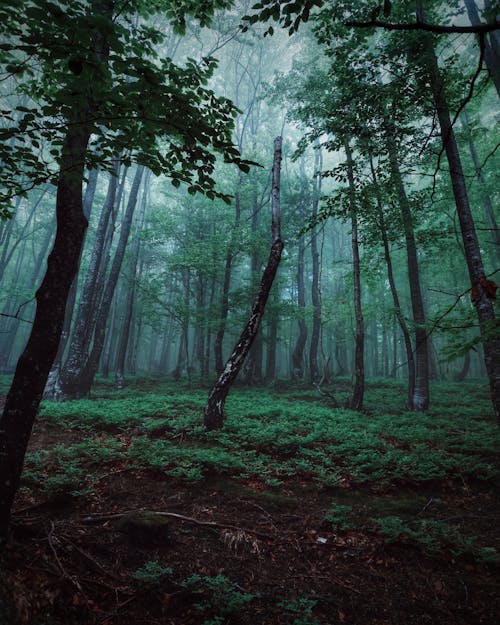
482,301
489,212
82,383
214,411
490,56
82,331
315,286
36,360
359,365
230,255
298,352
420,398
394,292
129,305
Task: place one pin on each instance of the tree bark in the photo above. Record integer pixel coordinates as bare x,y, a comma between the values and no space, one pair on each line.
214,411
82,383
420,398
490,56
488,324
300,344
394,292
359,365
36,360
315,286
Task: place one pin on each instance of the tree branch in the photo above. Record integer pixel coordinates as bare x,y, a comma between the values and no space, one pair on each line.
480,29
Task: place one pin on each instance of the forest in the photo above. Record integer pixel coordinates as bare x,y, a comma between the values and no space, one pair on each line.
249,336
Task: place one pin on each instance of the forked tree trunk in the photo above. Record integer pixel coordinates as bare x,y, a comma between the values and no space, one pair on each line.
488,323
214,411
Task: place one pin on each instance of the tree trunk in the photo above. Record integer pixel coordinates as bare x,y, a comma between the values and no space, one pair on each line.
420,398
359,366
394,292
83,327
489,212
82,383
129,305
484,306
298,352
224,309
315,286
214,411
36,360
490,57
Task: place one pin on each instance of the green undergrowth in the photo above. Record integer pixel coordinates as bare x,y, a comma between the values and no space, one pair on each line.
273,435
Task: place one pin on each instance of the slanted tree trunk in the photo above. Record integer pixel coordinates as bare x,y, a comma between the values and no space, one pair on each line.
214,411
359,364
36,360
488,323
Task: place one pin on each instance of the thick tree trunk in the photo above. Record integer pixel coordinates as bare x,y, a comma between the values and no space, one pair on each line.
36,360
359,365
214,411
53,388
484,305
420,398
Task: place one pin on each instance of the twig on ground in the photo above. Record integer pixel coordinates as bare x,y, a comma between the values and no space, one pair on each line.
97,518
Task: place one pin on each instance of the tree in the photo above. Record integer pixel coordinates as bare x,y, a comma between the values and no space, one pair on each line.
102,80
214,411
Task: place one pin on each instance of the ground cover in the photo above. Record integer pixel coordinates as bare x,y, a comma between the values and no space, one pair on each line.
295,513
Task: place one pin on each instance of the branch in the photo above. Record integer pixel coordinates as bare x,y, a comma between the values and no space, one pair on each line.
480,29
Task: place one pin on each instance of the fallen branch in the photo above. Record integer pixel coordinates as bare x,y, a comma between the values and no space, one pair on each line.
98,518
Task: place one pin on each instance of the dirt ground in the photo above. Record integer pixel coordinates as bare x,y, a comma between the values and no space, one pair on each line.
73,561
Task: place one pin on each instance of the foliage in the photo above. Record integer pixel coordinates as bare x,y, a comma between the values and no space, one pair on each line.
434,536
218,595
152,573
276,437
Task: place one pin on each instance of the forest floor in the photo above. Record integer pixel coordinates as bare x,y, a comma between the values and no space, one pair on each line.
294,513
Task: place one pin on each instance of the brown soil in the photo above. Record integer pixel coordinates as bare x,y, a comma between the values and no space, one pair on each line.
69,564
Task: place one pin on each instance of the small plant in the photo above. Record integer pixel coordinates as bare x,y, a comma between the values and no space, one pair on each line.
152,573
219,595
434,536
302,608
341,517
